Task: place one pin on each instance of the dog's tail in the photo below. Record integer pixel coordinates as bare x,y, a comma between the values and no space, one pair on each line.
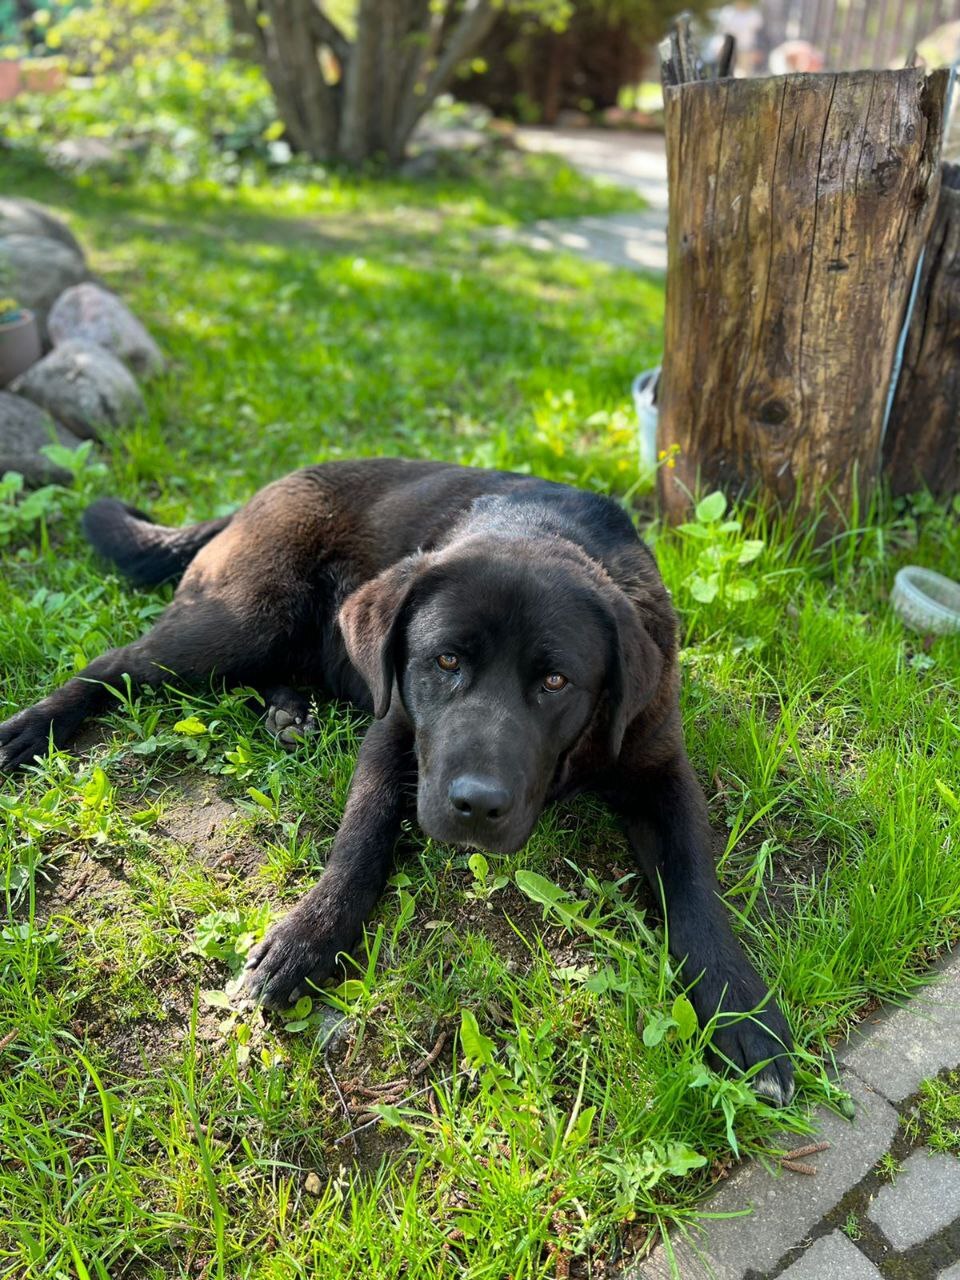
144,552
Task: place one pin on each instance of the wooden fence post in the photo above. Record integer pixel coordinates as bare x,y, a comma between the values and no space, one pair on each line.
922,445
798,208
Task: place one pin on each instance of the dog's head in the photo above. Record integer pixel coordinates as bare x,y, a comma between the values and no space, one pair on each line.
505,656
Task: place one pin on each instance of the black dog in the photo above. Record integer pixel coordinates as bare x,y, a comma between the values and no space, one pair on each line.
515,643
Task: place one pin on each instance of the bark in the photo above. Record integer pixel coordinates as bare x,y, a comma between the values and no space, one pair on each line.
467,34
798,209
922,446
357,140
405,54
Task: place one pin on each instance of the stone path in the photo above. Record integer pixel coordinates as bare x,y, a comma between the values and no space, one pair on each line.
634,160
907,1228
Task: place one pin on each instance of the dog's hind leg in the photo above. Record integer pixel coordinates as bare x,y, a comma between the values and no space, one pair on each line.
199,635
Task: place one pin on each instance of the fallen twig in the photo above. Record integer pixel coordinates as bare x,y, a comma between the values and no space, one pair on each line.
431,1057
811,1149
342,1100
376,1120
378,1091
79,884
9,1038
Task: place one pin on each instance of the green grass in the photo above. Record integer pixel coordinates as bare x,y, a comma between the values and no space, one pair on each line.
935,1117
148,1130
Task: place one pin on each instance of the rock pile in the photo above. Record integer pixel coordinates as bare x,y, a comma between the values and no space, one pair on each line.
95,347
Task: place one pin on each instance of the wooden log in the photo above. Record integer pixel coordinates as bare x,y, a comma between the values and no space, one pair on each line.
922,445
798,208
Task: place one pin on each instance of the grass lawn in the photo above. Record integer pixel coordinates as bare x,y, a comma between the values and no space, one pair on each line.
513,1046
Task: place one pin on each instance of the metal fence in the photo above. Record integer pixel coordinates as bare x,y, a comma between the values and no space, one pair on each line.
863,34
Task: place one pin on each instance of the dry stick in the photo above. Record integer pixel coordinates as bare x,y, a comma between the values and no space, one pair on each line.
9,1038
80,883
811,1149
376,1120
431,1057
378,1092
342,1100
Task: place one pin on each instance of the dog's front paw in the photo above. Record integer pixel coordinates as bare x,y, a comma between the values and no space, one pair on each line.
292,958
747,1040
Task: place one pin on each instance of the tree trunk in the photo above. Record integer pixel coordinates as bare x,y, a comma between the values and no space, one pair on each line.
798,208
406,53
922,447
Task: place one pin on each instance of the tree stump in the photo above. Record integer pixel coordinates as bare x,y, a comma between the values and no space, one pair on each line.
798,208
922,446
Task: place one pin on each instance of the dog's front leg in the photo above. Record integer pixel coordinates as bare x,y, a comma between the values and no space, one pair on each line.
302,948
669,832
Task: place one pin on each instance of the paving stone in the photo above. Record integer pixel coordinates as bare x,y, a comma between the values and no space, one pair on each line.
787,1207
636,241
624,157
951,1273
924,1198
834,1256
903,1048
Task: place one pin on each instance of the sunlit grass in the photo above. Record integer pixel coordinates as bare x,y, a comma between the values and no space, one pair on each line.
148,1131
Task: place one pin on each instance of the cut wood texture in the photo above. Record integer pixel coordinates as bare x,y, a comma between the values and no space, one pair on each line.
922,446
798,208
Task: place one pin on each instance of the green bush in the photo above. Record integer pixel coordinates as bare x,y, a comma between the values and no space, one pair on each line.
182,117
112,34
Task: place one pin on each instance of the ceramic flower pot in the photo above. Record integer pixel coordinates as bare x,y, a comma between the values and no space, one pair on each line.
42,75
9,79
19,346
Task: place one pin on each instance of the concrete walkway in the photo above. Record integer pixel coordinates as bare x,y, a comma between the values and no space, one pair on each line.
633,160
904,1228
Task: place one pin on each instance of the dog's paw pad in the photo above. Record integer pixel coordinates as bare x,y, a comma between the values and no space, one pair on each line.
290,723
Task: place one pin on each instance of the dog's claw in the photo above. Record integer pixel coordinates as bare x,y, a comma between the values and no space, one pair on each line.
749,1041
288,961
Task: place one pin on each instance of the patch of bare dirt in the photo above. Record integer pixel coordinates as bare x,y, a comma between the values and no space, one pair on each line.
198,818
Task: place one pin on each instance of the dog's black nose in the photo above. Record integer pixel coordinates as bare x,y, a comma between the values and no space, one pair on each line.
480,798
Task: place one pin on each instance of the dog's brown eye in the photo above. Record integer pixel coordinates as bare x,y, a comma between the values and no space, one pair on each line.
448,662
554,682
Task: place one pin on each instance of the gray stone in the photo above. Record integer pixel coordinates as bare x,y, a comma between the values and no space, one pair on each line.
333,1029
783,1208
95,315
86,155
22,217
83,386
896,1051
834,1256
923,1198
36,269
24,430
951,1273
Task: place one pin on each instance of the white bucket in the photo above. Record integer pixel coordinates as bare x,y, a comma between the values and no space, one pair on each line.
644,402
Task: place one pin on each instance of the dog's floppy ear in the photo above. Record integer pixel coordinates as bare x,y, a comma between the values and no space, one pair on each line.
636,667
370,621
